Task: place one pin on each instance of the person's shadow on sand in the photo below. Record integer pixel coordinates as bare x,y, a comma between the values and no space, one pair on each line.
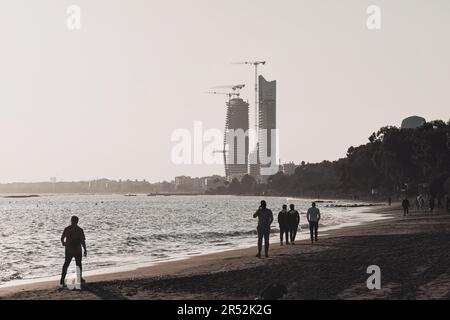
98,290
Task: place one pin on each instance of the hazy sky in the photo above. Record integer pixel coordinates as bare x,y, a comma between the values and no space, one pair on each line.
104,100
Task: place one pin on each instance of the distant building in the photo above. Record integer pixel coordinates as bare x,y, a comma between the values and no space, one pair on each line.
289,168
214,182
188,184
255,167
236,145
412,122
183,181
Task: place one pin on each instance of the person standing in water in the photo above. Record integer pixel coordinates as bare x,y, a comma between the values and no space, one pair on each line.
283,224
294,221
313,216
73,239
265,219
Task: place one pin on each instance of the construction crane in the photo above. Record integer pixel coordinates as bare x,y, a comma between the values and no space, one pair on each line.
236,90
234,87
229,94
256,64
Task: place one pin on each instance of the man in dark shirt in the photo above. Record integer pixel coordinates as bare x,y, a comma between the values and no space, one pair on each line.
73,239
405,205
283,224
265,219
294,221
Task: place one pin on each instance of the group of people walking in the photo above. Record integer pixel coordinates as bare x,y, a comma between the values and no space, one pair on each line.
427,202
288,222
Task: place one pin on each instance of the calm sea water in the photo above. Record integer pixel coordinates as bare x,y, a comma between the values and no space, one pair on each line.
130,231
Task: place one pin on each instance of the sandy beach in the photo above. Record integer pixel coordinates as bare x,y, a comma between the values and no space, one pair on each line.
412,253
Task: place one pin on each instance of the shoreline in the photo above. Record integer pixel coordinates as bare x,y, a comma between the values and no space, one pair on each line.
174,266
322,198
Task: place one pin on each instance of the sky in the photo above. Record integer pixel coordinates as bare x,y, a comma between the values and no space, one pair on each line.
103,101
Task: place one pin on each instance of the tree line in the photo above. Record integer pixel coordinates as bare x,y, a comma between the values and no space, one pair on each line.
394,161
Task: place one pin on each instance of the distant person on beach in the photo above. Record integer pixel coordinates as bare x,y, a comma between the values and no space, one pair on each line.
405,205
313,216
265,219
283,224
293,221
73,239
416,204
431,204
390,201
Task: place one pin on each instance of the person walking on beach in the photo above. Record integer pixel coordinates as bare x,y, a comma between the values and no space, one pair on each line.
283,224
73,239
313,216
416,204
447,202
405,205
265,219
293,221
389,201
431,204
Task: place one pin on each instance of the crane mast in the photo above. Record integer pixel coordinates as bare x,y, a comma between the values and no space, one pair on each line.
256,64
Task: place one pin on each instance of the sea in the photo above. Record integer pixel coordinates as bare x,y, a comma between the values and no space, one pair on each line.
127,232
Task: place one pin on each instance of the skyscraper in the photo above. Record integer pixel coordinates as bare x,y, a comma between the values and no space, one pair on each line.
236,139
267,118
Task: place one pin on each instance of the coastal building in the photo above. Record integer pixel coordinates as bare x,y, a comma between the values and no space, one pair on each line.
188,184
412,122
236,141
255,167
289,168
214,182
182,181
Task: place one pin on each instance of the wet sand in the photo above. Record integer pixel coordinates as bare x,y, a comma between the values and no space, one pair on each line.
412,252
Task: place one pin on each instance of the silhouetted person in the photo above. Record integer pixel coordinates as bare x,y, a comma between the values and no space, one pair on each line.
265,219
422,203
390,201
294,221
416,204
405,205
431,204
313,216
447,202
73,239
283,224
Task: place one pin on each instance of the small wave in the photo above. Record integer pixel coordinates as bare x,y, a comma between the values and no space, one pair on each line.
14,276
223,244
355,205
214,235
